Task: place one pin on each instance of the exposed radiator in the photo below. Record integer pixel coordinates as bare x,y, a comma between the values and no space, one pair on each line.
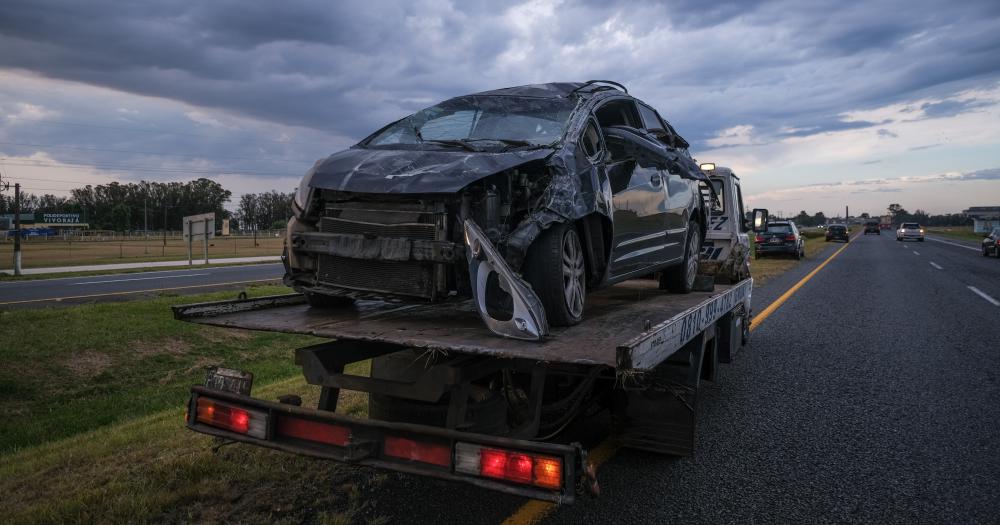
394,277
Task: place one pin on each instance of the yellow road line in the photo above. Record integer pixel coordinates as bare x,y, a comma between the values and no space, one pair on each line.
135,291
765,313
535,511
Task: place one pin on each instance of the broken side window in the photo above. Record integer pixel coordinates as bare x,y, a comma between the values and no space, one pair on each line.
591,140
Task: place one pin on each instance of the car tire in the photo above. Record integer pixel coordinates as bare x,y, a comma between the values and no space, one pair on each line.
681,278
318,300
921,239
986,253
556,269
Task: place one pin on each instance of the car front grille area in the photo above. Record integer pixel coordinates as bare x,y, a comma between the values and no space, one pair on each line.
389,277
415,279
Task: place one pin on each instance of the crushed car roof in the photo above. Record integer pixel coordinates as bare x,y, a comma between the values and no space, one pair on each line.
550,90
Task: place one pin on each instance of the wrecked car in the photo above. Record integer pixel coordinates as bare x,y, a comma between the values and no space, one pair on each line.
521,199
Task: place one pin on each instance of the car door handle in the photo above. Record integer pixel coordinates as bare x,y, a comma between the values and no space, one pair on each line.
655,180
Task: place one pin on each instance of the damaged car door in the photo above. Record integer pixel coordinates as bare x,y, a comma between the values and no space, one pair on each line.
640,204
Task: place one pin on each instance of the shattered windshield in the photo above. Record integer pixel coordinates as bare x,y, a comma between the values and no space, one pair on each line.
477,122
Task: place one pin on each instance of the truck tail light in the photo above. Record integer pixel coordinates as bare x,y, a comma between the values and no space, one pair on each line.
308,430
413,450
232,418
509,465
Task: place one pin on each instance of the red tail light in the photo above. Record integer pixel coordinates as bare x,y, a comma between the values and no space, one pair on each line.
294,427
759,238
422,451
509,465
232,418
789,237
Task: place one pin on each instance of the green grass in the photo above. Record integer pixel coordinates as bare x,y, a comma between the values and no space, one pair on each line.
153,469
71,370
92,399
964,233
769,267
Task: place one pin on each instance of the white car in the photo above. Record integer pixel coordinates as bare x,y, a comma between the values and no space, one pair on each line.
910,231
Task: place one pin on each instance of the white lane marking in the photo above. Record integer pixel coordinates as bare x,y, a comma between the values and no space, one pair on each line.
140,279
984,296
953,244
934,264
915,252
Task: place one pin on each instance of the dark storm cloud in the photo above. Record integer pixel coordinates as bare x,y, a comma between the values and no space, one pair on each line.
347,68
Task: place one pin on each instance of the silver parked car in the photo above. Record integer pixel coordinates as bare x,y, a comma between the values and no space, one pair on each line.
910,231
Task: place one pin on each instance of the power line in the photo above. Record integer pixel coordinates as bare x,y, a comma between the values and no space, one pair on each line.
80,148
56,180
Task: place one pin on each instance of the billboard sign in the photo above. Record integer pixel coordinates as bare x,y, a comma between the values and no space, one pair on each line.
60,218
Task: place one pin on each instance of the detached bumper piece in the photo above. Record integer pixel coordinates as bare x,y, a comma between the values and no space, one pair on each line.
532,469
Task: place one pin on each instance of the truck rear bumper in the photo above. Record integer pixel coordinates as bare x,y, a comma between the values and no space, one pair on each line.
544,471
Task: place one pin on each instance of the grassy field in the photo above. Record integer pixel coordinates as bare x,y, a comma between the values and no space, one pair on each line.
38,253
92,400
964,233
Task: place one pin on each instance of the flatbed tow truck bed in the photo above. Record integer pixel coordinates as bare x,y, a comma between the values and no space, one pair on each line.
647,349
630,326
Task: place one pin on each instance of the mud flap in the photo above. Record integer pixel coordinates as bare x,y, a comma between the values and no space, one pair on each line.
528,320
657,413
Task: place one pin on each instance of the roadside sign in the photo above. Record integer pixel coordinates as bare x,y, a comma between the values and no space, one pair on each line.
199,228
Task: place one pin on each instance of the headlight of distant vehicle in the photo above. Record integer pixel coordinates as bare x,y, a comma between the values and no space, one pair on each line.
303,194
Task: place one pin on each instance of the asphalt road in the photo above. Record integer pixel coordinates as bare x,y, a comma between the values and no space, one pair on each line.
871,395
76,290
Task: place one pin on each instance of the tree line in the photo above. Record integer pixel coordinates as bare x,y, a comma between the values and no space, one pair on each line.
128,206
898,214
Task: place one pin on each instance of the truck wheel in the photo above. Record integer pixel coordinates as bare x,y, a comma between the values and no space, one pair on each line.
680,279
318,300
555,268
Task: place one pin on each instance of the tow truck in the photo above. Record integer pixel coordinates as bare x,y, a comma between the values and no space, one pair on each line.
450,399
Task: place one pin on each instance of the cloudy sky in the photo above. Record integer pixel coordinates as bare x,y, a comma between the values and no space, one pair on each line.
817,105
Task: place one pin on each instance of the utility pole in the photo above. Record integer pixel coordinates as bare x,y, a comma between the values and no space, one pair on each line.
17,229
145,225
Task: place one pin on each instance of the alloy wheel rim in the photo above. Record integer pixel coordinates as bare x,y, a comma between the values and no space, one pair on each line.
573,270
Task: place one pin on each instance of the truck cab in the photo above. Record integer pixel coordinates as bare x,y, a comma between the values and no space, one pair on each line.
726,251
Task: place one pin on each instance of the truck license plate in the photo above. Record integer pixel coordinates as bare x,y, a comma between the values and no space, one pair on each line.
229,380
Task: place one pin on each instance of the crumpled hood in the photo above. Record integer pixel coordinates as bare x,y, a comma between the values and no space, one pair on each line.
413,171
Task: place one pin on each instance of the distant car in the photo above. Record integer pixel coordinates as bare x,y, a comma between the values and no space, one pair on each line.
910,231
837,232
780,237
991,243
872,227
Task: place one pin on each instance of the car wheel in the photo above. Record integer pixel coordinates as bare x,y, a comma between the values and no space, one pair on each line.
680,279
996,252
921,239
555,268
318,300
986,253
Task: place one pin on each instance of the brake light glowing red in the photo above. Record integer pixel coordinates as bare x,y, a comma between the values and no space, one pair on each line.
422,451
294,427
230,417
509,465
790,237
